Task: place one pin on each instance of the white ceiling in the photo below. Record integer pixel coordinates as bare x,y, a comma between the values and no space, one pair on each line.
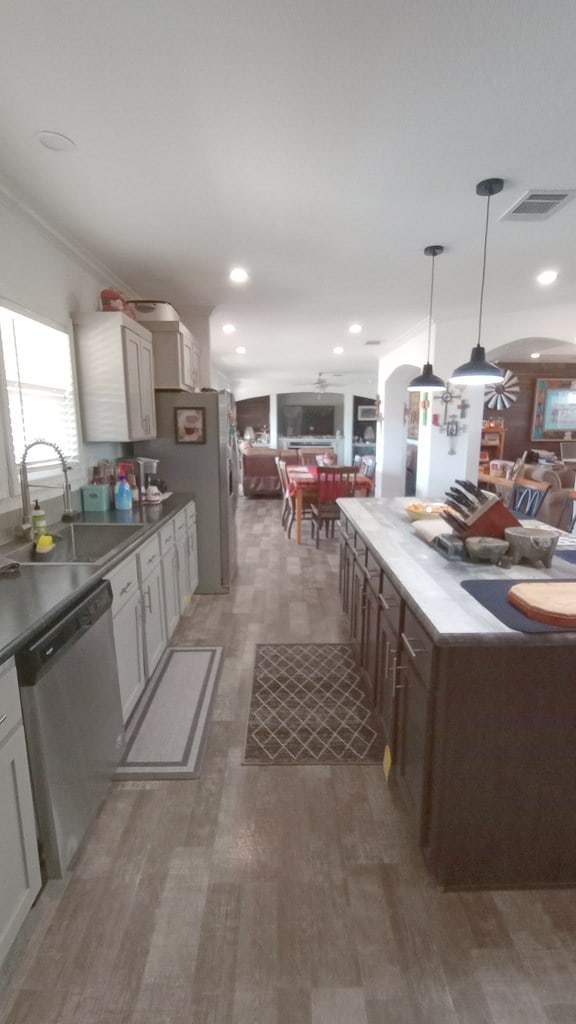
319,143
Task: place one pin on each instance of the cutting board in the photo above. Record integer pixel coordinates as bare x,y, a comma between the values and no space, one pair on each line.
553,603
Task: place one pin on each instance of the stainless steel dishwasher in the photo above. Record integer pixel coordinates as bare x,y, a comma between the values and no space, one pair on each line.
72,722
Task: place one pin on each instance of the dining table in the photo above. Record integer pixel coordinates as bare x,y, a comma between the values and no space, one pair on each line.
304,479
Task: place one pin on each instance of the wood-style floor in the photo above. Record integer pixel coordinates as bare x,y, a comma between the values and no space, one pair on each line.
284,895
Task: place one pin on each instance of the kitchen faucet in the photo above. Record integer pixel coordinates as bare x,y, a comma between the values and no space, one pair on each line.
68,513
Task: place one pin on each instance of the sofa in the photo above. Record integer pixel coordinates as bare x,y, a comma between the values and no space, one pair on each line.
259,474
556,508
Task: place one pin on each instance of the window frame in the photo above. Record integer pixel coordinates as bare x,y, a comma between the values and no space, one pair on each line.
50,473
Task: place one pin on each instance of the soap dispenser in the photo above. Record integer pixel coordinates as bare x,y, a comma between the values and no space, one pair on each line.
38,519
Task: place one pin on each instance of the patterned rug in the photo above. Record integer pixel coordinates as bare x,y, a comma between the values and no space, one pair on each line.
308,707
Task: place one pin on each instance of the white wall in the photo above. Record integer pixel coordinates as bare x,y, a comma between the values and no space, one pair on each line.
42,275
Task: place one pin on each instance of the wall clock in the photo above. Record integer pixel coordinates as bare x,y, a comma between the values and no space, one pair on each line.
504,394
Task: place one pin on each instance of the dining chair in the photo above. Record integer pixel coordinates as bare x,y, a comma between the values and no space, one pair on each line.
307,456
527,496
333,482
287,500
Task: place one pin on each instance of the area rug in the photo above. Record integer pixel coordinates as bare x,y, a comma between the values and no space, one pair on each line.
166,735
308,707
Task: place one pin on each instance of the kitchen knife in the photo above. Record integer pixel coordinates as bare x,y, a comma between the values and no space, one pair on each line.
463,498
463,512
472,489
456,524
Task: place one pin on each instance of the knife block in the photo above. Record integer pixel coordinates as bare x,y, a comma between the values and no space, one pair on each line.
490,520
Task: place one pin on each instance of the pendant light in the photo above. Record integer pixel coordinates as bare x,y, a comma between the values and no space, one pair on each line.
479,371
427,380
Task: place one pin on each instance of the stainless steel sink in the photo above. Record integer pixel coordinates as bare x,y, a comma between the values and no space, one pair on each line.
79,542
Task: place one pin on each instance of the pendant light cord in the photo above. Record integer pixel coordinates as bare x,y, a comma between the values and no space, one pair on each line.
430,312
483,270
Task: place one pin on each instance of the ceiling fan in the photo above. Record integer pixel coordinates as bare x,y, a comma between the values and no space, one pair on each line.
320,382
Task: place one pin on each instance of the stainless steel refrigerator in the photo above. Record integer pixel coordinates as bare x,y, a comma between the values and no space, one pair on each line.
196,450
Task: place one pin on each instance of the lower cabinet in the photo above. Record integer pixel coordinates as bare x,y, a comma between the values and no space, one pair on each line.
128,632
154,608
192,547
170,577
19,864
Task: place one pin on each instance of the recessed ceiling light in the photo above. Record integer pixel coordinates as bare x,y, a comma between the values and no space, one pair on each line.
534,355
338,350
56,141
238,275
355,328
547,277
229,329
241,350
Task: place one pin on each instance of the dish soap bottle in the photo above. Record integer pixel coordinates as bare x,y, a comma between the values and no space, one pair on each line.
122,494
38,519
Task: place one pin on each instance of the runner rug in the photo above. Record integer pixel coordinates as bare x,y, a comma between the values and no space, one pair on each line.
308,707
166,735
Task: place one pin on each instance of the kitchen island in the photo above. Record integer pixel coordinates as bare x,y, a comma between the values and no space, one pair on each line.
480,719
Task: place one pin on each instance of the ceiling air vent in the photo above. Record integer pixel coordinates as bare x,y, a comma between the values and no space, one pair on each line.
538,204
371,342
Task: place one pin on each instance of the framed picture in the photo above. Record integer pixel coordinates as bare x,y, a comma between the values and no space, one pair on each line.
190,426
554,410
366,412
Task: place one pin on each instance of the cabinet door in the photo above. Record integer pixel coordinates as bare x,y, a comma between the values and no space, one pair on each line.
192,557
171,590
385,696
154,619
146,376
19,864
131,343
183,572
129,644
187,359
370,641
413,741
345,565
357,608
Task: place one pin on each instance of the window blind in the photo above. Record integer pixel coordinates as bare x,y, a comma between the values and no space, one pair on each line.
40,388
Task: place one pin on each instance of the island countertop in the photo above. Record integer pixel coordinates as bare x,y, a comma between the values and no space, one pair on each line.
431,582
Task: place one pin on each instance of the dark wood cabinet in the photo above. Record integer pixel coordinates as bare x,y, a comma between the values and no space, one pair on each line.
346,564
480,725
357,596
389,625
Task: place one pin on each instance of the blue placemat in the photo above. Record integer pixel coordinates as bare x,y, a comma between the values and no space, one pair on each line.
493,595
568,556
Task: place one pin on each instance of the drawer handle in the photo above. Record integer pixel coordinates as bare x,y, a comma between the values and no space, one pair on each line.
412,651
386,603
396,685
126,587
151,559
3,719
371,574
148,600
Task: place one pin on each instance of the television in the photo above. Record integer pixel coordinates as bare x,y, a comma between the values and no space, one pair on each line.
304,420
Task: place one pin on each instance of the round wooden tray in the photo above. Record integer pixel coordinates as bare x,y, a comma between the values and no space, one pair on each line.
551,602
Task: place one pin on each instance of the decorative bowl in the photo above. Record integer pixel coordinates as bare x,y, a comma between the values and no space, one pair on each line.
424,510
486,549
532,543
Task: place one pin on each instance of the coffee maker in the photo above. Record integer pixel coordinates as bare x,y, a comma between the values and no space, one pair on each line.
146,475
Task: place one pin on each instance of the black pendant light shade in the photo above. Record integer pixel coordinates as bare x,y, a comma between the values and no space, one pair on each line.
479,371
427,380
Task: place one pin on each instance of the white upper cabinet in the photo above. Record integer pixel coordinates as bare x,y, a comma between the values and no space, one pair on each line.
116,377
176,356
